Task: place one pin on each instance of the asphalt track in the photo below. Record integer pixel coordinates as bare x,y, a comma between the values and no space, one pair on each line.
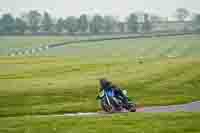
189,107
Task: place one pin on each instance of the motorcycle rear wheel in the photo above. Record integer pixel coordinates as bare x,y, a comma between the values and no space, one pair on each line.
132,107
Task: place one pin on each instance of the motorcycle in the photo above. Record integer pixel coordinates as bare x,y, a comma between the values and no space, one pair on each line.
111,104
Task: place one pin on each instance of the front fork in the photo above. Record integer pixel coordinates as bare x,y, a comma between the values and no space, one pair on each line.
108,100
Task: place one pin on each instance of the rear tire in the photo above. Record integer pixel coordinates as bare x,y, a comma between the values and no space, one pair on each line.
132,107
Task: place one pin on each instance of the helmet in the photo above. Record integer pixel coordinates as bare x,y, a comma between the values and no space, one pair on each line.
104,83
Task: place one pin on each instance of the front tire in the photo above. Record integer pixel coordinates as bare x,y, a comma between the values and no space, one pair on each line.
106,107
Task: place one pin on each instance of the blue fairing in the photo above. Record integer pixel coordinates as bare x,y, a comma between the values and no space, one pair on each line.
110,93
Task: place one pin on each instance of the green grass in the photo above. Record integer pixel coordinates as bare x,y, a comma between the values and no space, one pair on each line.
65,79
183,46
9,44
179,46
47,85
55,84
126,123
30,41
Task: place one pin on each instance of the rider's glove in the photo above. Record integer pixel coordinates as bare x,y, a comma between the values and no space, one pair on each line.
98,97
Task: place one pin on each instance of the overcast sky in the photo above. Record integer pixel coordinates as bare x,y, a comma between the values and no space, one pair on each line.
121,8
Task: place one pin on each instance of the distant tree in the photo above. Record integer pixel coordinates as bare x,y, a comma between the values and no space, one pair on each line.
182,13
7,24
71,24
47,22
20,25
83,23
147,25
197,19
1,27
60,25
34,20
96,25
155,18
196,22
121,27
109,23
133,23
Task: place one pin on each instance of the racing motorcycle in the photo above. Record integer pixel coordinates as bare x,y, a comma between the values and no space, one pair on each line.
111,104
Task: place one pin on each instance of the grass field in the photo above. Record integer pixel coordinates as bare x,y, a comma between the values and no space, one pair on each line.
13,44
48,85
130,123
65,79
187,45
179,46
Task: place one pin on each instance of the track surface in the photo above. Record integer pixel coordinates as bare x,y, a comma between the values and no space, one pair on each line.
190,107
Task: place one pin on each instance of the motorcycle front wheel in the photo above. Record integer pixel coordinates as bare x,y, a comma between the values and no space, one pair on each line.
106,107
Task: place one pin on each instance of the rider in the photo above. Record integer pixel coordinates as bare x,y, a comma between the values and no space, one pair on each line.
117,92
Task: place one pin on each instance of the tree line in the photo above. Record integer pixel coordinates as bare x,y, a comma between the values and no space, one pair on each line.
36,22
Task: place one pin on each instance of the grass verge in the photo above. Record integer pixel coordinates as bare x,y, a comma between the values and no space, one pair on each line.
127,123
